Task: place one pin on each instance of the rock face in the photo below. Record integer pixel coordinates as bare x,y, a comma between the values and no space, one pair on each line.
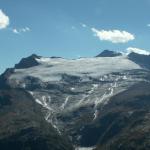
100,102
23,125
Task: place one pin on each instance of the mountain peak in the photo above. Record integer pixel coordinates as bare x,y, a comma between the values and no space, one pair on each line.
109,53
35,56
28,62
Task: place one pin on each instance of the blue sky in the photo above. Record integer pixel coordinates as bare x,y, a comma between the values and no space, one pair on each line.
71,28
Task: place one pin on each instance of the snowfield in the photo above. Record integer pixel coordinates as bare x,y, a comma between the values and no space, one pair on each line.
52,69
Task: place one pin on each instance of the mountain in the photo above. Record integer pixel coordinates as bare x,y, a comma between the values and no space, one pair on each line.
97,103
142,60
108,53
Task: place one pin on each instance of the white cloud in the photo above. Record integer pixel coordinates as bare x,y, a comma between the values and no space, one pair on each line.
21,30
4,20
148,25
114,36
83,25
15,31
26,29
137,50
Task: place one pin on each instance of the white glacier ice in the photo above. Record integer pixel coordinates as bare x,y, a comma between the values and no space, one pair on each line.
51,69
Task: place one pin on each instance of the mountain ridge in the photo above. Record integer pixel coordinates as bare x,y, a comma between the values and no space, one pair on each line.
31,60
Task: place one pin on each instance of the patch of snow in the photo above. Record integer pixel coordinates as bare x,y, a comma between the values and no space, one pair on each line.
82,100
125,77
95,86
65,103
23,85
84,148
31,93
104,99
85,96
45,100
130,112
72,89
39,102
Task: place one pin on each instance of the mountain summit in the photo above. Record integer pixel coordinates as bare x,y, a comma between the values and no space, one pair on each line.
108,53
28,62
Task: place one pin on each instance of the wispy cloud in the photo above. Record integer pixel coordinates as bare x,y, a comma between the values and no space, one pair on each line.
21,30
83,25
4,20
15,31
114,36
148,25
137,50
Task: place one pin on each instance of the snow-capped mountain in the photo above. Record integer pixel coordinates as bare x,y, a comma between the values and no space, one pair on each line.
75,92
